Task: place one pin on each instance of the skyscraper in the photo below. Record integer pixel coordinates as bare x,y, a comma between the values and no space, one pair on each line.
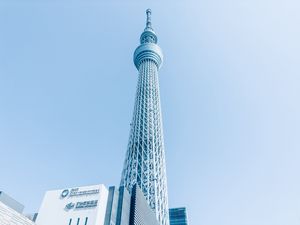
178,216
145,158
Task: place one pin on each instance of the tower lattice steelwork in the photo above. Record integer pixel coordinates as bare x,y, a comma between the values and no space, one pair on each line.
145,158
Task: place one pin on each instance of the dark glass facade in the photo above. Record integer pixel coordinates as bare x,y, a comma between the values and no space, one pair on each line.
178,216
125,209
118,207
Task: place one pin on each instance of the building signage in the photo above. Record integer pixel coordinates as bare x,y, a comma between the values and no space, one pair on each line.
86,204
82,205
70,206
75,192
64,193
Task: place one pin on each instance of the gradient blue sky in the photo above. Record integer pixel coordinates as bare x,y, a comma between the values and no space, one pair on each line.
230,92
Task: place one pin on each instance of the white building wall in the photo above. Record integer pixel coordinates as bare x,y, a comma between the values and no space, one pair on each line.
9,216
74,206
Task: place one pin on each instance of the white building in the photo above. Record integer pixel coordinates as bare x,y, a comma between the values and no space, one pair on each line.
74,206
11,212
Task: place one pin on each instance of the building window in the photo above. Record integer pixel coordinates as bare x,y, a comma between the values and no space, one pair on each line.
70,221
78,220
86,221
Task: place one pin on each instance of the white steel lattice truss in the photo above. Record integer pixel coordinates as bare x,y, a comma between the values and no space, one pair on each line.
145,158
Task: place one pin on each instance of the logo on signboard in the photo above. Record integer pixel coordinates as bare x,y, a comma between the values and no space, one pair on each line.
75,192
64,193
69,206
86,204
81,205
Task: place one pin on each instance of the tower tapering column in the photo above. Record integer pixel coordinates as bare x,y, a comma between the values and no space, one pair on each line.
145,158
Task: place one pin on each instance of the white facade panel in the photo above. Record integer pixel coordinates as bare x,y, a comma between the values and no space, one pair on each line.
9,216
74,206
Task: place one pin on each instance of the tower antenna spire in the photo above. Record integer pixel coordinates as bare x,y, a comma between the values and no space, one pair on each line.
148,24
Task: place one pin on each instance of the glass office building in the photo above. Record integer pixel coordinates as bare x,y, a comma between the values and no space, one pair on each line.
128,209
118,206
178,216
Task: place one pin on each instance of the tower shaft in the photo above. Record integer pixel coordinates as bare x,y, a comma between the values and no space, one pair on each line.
145,158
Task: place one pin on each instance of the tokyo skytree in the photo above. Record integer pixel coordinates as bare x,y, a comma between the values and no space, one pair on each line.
145,158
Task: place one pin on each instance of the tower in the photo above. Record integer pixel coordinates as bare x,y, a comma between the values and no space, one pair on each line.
145,158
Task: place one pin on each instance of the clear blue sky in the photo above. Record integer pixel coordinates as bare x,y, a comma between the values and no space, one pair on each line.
230,92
